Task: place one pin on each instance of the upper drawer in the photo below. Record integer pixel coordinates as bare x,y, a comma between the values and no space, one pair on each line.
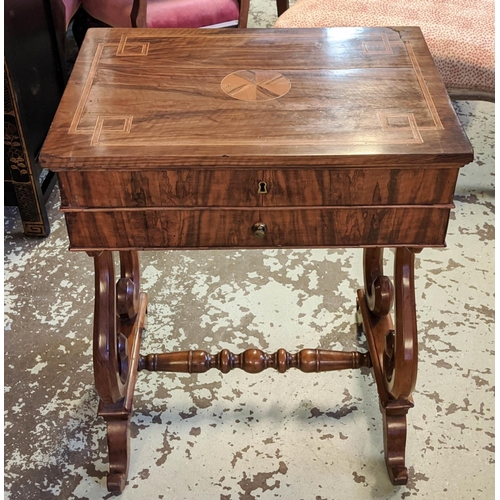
159,188
360,186
228,187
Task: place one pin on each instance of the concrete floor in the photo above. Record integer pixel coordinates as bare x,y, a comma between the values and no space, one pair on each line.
263,436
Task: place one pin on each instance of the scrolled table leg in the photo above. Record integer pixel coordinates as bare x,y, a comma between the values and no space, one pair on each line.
393,349
378,288
108,380
128,286
401,343
119,317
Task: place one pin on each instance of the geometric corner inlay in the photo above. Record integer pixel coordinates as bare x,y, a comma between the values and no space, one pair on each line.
126,48
382,46
110,124
404,127
255,85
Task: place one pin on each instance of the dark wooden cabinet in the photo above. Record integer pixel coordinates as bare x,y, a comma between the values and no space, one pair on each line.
33,84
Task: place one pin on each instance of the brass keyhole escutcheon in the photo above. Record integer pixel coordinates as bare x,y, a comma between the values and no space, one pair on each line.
259,230
262,188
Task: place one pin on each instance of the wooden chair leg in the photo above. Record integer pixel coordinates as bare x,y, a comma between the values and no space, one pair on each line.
244,11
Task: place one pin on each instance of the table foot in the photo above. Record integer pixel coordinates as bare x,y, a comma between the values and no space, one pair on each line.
394,421
118,430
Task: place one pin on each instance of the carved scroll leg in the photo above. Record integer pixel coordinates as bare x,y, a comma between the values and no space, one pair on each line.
117,416
401,346
393,350
394,420
116,354
108,380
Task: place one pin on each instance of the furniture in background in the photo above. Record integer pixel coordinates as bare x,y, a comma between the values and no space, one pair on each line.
36,70
322,138
160,14
34,80
459,33
63,12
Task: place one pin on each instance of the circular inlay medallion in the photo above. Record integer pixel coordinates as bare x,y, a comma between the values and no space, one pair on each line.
255,85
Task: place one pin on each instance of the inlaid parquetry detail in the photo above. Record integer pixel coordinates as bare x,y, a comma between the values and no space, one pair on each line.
113,123
255,85
126,48
404,127
379,47
251,85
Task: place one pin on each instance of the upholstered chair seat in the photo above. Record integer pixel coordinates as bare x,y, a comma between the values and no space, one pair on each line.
168,13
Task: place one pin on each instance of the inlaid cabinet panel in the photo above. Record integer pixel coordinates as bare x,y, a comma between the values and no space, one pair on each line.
142,100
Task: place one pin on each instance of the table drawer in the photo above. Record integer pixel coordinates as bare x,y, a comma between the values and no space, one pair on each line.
253,188
161,188
360,186
313,227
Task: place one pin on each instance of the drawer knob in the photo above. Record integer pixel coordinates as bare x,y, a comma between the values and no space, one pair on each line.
259,230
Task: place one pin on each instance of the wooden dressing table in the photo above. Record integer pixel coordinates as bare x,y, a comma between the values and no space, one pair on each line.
193,139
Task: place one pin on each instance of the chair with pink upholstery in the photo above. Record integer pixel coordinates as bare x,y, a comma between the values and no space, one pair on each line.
460,33
161,14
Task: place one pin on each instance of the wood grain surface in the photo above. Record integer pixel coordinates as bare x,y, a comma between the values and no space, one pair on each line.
153,98
218,228
241,188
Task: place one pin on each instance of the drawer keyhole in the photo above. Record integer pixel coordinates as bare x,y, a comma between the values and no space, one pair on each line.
262,188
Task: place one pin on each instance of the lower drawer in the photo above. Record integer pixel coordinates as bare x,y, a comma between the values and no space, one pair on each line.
233,228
